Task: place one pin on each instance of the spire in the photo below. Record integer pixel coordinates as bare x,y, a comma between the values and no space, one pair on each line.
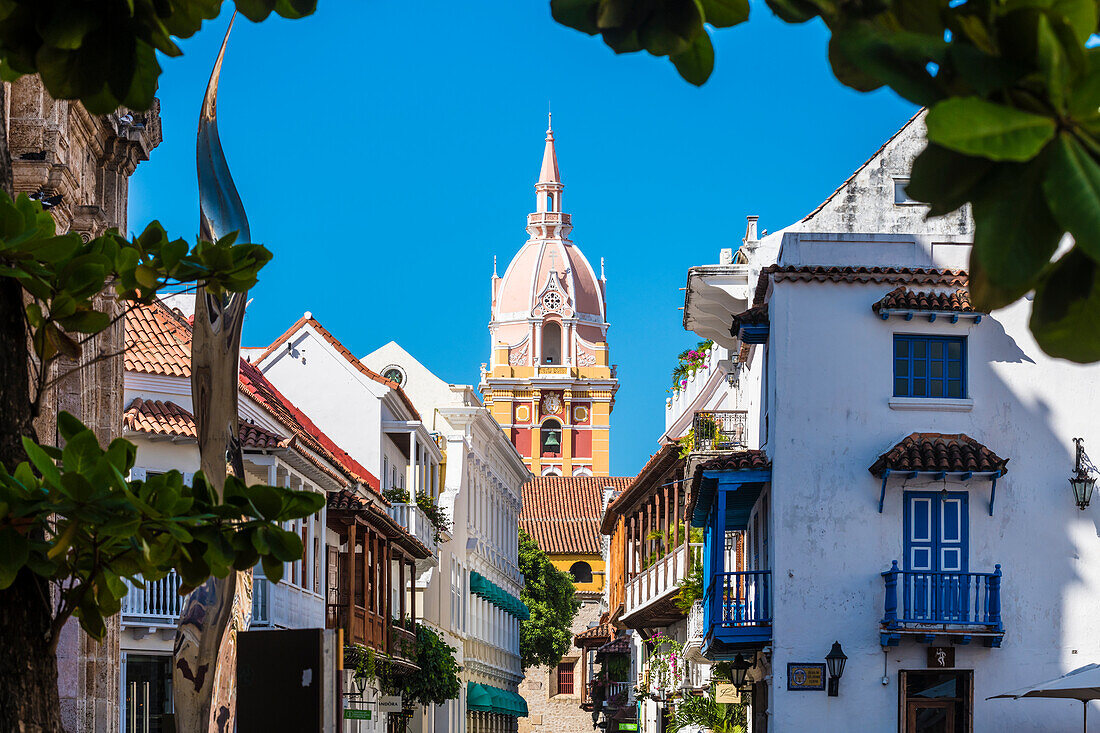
549,173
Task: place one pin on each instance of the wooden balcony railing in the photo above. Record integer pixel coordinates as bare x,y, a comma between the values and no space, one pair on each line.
662,578
157,604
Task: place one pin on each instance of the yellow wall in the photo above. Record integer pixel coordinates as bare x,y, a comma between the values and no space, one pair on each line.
563,563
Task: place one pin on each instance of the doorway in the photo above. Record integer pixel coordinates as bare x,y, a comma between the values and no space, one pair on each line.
936,701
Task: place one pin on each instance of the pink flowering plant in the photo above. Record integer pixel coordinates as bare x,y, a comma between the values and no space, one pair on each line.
664,668
689,362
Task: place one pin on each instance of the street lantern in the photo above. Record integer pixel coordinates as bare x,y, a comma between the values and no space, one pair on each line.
360,683
1082,482
741,667
835,660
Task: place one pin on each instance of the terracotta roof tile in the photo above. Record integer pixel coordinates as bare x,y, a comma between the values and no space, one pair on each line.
562,513
343,351
902,298
757,315
740,461
938,452
888,275
594,637
157,342
172,420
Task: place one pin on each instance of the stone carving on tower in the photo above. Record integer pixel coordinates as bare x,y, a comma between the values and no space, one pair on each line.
549,381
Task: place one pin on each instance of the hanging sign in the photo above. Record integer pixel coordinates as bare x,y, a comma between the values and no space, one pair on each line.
389,704
356,714
727,693
628,726
805,676
941,657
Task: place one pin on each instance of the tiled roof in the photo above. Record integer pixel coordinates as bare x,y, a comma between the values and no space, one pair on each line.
562,513
937,452
740,461
656,467
172,420
902,298
343,351
887,275
345,501
757,315
257,386
594,637
158,341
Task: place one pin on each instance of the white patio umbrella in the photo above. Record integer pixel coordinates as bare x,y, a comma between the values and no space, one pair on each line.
1081,684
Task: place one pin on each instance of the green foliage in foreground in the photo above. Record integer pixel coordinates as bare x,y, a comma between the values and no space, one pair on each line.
548,593
1014,123
71,516
103,52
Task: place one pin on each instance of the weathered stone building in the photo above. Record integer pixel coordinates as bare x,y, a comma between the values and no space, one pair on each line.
80,165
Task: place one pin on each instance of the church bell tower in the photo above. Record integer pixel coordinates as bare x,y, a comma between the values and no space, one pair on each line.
549,381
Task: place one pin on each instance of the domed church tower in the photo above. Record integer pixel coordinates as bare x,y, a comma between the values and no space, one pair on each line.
549,381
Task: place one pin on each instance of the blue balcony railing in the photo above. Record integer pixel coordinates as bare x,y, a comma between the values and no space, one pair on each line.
924,600
740,599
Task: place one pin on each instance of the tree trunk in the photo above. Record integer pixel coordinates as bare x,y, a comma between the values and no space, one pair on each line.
28,667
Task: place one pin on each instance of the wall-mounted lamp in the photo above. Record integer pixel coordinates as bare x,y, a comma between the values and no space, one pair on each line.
835,660
739,670
1082,482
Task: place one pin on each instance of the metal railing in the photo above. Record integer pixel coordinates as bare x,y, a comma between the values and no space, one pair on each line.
662,577
720,430
415,522
740,599
158,603
942,598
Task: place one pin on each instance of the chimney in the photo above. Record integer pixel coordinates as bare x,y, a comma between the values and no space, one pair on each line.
750,229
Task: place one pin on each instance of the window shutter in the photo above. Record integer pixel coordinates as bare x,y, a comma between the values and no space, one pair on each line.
553,681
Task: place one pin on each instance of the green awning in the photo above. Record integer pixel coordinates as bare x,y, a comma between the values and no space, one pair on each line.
484,588
478,697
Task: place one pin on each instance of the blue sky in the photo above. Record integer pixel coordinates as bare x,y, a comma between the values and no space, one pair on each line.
386,152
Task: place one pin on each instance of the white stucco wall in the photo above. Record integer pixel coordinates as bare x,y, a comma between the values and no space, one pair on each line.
830,380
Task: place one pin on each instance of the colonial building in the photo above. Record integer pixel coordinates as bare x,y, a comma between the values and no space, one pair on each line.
79,165
903,491
472,600
549,381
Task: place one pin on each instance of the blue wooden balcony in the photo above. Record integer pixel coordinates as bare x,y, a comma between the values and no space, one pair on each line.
925,604
738,609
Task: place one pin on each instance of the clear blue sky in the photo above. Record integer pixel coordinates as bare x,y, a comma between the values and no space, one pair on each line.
386,151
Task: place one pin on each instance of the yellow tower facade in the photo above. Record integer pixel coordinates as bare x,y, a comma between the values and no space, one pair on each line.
549,381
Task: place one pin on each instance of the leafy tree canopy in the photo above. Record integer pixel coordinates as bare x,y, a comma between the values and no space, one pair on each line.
1013,93
548,593
103,52
438,680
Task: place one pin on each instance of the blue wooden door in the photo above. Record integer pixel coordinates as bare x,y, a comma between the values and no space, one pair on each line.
937,553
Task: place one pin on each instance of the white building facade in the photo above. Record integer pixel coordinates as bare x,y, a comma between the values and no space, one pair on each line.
483,475
907,494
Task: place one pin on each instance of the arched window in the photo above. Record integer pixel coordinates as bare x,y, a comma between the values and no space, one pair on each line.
551,343
581,572
549,202
550,438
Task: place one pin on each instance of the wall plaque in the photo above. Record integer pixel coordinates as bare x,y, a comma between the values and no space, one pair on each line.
941,657
389,704
727,693
809,676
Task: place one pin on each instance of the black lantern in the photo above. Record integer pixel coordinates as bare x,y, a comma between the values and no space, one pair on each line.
360,682
741,667
835,660
1082,481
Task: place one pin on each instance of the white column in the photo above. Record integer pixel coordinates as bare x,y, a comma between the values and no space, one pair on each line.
413,448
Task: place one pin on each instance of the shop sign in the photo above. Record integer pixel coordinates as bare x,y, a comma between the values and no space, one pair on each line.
389,704
727,693
941,657
356,714
628,726
805,676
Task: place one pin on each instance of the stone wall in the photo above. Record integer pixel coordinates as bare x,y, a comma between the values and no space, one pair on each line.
560,713
83,162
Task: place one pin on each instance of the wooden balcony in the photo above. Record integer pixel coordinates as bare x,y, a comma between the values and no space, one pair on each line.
157,604
963,606
650,595
605,695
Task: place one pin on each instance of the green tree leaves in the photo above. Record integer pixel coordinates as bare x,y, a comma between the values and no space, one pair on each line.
104,52
548,593
673,28
974,126
86,527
